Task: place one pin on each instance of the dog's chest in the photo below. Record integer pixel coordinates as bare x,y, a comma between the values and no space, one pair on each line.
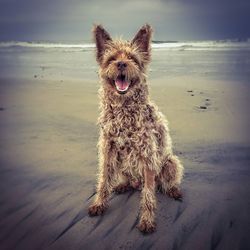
129,131
124,129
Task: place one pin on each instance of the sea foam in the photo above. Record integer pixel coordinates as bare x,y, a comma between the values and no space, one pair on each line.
159,45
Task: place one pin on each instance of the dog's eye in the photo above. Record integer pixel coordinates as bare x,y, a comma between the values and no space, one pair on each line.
134,59
129,57
110,59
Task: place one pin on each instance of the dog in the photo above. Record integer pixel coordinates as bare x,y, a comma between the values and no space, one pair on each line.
134,148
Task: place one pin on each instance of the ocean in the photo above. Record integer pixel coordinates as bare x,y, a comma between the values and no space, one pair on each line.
227,59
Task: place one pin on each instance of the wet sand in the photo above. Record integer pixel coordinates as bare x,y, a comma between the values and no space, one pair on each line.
48,167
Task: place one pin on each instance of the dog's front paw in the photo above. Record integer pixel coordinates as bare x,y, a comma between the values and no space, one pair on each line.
95,210
147,227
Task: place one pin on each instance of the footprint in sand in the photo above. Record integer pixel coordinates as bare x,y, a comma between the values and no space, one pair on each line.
190,91
206,104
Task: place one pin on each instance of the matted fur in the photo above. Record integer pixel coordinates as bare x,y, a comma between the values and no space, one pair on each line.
135,148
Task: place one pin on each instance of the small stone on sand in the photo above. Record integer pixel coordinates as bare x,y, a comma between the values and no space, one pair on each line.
203,107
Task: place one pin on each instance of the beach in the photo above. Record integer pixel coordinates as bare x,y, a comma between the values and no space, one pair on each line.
48,156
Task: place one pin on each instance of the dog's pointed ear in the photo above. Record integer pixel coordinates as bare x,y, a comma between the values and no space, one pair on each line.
102,39
142,41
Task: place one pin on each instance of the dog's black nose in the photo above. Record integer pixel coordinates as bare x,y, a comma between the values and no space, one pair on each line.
121,65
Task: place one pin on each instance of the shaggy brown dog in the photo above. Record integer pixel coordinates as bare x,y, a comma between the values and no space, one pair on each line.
135,149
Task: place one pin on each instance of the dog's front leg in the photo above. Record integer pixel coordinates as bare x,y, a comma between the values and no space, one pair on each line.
105,185
148,203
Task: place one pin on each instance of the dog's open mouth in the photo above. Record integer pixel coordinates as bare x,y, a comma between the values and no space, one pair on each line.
122,84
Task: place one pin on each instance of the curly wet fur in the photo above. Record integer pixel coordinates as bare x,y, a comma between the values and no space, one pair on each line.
135,147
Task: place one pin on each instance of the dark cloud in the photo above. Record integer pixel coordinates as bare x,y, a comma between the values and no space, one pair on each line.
63,20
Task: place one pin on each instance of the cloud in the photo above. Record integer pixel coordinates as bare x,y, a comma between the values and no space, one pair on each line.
171,19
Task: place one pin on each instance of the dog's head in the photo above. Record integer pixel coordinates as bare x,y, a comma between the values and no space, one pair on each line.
123,63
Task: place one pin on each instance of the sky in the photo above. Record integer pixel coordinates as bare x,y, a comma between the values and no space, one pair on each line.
72,21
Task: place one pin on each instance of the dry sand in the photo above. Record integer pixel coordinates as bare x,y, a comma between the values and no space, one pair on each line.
49,165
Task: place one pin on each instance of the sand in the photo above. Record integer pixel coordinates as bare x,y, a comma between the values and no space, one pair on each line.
48,167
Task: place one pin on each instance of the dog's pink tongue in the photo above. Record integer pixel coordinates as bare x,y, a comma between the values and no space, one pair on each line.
121,85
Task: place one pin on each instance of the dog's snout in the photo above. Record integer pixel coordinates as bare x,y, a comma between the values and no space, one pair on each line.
121,65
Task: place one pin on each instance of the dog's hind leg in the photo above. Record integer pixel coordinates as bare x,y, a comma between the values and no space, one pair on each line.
170,177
